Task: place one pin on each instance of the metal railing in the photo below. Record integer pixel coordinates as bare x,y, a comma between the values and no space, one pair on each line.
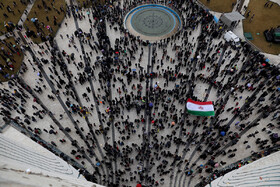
202,5
3,127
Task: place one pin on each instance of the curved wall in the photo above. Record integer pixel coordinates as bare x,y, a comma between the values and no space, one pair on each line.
263,172
25,163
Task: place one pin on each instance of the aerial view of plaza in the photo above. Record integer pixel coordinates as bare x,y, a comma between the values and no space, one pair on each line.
131,93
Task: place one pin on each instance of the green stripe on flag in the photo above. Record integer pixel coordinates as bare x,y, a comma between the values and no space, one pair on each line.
201,113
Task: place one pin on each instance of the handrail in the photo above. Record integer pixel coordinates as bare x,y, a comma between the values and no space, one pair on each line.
202,5
3,127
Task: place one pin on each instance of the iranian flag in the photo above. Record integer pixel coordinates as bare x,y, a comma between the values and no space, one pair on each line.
200,108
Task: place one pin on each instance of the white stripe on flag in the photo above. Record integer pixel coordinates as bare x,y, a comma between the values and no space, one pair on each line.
195,107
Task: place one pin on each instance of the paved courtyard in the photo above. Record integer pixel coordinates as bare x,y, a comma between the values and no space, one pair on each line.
124,100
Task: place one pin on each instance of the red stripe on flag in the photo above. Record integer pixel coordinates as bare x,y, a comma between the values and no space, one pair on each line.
200,103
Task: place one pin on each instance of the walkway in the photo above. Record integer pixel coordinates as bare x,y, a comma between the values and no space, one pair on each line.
23,17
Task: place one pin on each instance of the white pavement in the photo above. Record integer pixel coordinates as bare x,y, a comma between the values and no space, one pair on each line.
128,132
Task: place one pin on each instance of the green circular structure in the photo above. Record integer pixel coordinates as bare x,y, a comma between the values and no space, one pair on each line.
152,22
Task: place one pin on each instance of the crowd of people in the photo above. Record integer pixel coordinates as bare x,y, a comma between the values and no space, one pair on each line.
93,93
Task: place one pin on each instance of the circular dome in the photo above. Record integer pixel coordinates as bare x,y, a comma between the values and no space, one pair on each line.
152,22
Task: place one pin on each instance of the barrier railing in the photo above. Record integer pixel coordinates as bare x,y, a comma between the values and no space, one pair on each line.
3,127
202,5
